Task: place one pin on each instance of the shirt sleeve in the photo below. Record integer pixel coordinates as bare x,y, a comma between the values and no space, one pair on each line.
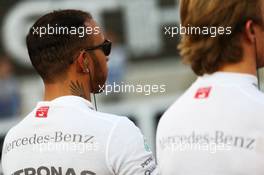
128,152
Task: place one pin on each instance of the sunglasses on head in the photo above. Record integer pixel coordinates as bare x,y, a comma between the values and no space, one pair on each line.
105,46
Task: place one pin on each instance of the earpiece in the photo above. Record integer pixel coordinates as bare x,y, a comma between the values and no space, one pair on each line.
85,64
249,25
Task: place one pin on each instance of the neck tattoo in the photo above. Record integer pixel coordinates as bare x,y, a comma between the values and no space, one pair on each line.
77,89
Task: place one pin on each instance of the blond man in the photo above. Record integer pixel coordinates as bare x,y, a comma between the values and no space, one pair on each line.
217,126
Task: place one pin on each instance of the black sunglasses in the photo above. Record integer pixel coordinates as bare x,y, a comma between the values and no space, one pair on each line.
105,46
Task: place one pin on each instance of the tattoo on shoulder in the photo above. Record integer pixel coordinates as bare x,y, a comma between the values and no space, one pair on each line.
77,89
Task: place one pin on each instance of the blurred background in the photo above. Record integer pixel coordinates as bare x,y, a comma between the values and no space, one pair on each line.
142,54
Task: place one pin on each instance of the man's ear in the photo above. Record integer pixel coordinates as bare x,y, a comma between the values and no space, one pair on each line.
250,31
83,62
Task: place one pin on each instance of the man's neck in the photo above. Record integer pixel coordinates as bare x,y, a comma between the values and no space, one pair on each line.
72,87
246,66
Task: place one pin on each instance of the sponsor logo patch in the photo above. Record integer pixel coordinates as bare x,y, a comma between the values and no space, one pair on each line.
203,93
42,112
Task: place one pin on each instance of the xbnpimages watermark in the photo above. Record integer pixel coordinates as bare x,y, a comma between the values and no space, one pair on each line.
212,31
146,89
63,30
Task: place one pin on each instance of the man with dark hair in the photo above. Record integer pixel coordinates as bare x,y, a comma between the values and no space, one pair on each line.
217,125
64,134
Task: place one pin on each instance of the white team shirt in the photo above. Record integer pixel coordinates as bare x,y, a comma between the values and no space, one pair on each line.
215,128
67,137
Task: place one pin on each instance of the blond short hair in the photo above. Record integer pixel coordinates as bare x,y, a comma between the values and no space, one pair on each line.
207,54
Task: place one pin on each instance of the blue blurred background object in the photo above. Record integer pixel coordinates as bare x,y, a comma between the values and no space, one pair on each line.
9,90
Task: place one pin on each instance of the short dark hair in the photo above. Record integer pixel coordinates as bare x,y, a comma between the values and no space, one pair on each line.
51,54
